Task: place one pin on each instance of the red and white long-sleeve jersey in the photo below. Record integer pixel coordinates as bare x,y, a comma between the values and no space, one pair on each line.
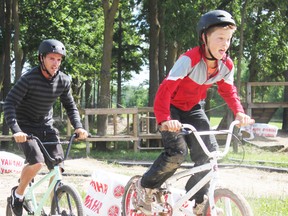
187,83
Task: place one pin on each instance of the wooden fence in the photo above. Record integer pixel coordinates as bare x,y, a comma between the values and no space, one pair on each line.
124,124
138,121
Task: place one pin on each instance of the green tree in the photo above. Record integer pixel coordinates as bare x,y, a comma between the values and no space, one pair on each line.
127,50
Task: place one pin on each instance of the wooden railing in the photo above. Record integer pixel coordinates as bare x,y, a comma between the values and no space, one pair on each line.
250,104
124,124
138,121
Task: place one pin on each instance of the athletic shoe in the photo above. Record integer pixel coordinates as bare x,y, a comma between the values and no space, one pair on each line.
144,198
198,208
16,204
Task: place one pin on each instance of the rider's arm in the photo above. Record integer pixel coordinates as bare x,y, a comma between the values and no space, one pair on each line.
168,87
13,99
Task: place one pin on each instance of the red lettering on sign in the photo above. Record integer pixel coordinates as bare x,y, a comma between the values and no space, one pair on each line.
7,162
99,187
92,204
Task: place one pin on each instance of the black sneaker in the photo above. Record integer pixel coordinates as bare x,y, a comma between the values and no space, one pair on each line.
16,203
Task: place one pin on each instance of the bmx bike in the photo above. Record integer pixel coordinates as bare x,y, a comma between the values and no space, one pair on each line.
231,202
66,199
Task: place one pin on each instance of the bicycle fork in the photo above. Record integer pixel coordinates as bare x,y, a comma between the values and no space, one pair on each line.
213,183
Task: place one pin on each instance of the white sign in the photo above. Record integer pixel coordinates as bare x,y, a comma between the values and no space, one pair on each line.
10,163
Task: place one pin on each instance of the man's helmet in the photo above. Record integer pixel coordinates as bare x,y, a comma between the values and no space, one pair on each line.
214,18
51,46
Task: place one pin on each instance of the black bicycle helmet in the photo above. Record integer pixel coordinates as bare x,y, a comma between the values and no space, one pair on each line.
214,18
52,46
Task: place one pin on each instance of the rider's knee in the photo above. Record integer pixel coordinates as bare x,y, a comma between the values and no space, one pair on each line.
37,166
177,155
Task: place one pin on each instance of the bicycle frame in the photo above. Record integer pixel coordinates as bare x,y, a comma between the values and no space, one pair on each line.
211,177
37,207
55,174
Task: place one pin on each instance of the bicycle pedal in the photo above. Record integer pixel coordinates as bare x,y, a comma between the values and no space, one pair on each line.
158,208
27,205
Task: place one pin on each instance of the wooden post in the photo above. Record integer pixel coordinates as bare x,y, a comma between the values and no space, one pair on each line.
135,131
249,99
86,118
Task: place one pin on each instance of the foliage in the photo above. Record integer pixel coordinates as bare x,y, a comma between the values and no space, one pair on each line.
266,43
135,96
79,24
127,43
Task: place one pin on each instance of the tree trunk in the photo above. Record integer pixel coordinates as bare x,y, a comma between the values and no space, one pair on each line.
7,61
2,26
253,66
17,49
161,57
154,32
119,64
241,42
153,50
105,74
171,55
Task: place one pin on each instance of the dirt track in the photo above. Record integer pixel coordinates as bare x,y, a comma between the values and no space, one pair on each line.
251,183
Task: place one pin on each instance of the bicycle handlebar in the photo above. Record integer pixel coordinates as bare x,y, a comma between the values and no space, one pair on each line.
188,129
53,160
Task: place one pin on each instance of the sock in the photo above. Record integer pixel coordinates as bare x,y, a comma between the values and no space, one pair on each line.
20,197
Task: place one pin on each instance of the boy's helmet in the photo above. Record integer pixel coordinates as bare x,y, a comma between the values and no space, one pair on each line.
52,46
214,18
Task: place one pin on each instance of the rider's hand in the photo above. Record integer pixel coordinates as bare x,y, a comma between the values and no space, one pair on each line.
171,125
244,119
20,137
82,133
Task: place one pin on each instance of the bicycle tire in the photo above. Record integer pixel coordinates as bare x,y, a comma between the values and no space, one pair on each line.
129,198
69,201
229,201
8,207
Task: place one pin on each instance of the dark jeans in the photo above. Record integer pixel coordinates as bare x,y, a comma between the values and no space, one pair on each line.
175,151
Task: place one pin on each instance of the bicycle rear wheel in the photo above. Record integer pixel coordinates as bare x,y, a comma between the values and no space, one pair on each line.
230,203
129,199
69,202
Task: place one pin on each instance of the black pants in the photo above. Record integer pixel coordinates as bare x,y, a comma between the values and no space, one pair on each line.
175,151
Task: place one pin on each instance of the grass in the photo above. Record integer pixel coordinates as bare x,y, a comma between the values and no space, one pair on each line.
255,156
214,121
266,206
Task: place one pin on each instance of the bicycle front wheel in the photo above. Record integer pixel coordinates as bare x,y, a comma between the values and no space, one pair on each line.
69,202
229,202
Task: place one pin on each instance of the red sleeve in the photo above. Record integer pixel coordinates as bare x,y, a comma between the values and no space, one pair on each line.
229,93
163,98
